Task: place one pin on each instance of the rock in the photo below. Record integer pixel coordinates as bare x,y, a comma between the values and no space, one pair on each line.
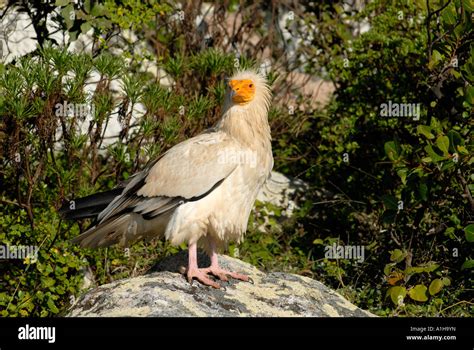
282,192
165,292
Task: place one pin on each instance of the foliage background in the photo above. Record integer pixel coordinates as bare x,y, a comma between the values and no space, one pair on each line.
402,188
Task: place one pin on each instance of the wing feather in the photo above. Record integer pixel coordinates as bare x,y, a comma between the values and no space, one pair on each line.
192,167
186,172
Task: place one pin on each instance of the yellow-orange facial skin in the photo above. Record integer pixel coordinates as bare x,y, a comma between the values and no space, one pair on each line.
243,91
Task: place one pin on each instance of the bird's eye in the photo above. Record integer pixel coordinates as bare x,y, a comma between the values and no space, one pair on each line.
250,85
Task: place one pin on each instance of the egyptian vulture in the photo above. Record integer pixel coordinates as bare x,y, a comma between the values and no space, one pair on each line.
200,191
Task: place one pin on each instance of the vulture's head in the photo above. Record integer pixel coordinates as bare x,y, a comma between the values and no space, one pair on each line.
248,90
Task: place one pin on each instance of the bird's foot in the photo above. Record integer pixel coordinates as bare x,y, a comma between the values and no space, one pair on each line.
201,276
224,275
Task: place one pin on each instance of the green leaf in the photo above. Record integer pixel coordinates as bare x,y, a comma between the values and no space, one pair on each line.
449,15
388,268
52,306
73,35
443,144
468,5
397,294
449,232
436,57
423,190
403,175
446,281
463,150
470,95
454,140
318,241
62,2
428,267
435,286
435,157
392,150
390,202
87,6
469,232
418,293
47,282
426,159
85,27
98,10
425,130
468,264
48,269
397,255
455,219
436,126
68,15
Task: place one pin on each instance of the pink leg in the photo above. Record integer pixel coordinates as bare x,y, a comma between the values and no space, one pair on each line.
194,271
220,273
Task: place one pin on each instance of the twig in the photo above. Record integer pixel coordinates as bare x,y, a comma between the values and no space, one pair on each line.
6,201
467,192
338,201
459,302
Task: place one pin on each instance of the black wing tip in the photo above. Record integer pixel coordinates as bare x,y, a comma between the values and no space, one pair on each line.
89,206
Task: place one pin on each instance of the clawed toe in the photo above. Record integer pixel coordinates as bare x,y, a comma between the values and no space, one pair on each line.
217,273
224,275
201,276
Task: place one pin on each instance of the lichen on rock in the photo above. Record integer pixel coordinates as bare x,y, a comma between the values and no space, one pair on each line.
164,292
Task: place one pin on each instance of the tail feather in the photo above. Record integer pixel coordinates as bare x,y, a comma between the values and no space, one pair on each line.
90,206
123,230
126,226
104,234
